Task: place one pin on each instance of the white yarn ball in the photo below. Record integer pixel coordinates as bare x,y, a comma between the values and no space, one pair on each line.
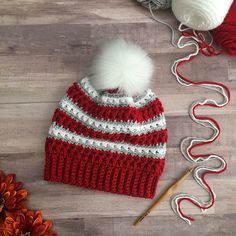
123,65
201,14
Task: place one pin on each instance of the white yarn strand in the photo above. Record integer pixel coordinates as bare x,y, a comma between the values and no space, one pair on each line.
192,140
164,23
188,142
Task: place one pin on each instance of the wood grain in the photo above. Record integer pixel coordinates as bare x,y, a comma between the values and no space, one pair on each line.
28,12
47,45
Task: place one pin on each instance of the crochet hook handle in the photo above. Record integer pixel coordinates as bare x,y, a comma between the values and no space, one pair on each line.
164,196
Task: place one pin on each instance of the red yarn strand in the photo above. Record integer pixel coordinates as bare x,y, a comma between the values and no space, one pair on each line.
207,51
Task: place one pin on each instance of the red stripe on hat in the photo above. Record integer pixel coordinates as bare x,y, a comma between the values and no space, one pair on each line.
102,170
108,112
61,118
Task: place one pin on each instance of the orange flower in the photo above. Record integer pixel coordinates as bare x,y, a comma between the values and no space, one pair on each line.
12,196
27,223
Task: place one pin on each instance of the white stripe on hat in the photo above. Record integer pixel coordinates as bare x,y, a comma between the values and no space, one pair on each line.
155,151
157,123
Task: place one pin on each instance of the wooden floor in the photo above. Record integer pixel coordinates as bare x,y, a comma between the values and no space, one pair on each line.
47,45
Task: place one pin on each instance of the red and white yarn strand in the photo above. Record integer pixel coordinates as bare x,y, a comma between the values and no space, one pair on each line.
193,38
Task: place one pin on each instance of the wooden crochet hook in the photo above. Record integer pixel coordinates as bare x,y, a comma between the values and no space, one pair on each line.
164,196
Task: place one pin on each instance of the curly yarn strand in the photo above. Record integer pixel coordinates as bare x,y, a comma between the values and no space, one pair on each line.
189,143
190,37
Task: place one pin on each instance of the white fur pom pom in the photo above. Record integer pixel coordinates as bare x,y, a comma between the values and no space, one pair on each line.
122,65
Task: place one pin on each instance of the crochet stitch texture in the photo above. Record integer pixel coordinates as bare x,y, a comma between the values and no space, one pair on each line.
107,141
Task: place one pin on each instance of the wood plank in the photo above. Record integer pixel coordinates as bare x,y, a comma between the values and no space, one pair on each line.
28,125
72,40
74,227
75,200
46,78
204,225
218,225
232,69
63,201
24,133
27,12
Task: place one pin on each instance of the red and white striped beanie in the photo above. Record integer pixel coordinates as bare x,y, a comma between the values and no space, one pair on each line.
109,131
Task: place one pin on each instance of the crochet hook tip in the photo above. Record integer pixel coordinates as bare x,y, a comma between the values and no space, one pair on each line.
191,169
140,219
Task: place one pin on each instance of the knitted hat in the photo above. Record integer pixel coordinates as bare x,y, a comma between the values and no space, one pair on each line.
108,132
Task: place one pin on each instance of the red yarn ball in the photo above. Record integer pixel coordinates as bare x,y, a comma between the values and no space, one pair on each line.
225,34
